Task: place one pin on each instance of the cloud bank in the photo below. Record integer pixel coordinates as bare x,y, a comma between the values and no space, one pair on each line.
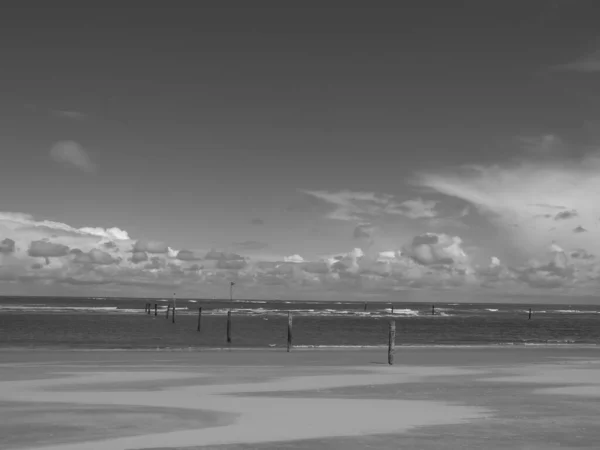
108,261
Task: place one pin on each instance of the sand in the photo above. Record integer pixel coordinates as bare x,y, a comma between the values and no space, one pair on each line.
432,398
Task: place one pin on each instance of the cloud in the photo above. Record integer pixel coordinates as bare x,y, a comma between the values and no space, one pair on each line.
294,259
151,247
139,257
224,256
419,208
70,153
363,231
579,229
7,246
231,264
250,245
95,256
547,145
364,206
82,264
428,249
68,114
515,197
257,221
564,215
589,63
187,255
44,249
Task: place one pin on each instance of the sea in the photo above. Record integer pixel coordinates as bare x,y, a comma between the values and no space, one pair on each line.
124,323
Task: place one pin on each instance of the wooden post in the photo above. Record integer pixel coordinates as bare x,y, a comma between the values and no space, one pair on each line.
365,306
199,317
146,308
392,307
433,310
155,310
392,342
529,314
149,306
168,307
229,327
289,336
173,308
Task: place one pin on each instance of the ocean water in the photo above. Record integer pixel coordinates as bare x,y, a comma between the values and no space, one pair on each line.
120,323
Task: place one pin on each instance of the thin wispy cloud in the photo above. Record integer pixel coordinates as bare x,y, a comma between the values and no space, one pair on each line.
363,206
73,115
70,114
589,63
72,154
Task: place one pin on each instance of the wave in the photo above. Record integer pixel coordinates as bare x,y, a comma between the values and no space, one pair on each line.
58,308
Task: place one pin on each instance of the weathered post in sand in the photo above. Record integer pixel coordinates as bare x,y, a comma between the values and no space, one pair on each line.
229,327
365,307
199,317
168,308
433,310
146,308
174,308
392,342
392,308
155,310
529,314
149,308
289,336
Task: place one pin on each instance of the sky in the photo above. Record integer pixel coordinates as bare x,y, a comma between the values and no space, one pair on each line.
442,150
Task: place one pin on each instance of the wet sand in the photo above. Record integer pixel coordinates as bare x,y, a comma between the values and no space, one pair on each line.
433,398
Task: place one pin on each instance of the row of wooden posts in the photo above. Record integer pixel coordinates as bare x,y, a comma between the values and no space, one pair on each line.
169,308
391,334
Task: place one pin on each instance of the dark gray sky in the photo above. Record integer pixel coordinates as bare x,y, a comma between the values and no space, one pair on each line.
201,124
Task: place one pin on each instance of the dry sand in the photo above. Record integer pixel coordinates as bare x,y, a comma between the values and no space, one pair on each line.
432,398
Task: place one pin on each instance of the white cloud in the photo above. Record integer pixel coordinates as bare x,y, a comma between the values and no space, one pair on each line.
71,153
294,259
533,202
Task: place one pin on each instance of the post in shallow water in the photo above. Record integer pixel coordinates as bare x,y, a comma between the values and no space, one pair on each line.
392,342
229,326
289,334
174,298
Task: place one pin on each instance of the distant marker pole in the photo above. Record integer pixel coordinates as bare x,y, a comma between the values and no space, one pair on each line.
199,317
229,326
168,307
174,298
231,284
155,310
289,333
433,310
392,308
529,314
392,342
365,307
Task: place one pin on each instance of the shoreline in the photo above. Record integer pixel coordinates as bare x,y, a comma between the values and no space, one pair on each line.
305,348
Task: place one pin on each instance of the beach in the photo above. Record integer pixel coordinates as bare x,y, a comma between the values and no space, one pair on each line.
542,397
